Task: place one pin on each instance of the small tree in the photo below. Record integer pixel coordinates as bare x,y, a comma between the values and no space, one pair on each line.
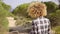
51,6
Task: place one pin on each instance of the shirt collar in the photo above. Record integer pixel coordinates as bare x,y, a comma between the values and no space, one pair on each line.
40,17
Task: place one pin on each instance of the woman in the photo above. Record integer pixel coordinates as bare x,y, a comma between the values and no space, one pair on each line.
40,25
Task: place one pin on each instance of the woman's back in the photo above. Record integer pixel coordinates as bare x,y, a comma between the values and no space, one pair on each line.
40,26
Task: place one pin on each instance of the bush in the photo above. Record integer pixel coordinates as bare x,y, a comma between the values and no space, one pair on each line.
21,11
51,6
3,25
4,12
57,29
55,18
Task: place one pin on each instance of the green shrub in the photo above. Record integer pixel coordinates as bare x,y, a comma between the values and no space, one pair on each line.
21,10
3,25
55,18
4,12
57,29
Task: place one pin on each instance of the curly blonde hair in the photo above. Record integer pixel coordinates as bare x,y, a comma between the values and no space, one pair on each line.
37,9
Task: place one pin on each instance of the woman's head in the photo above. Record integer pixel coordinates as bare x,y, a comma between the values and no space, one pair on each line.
37,9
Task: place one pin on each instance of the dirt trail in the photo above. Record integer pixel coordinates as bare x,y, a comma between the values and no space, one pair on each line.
12,24
11,21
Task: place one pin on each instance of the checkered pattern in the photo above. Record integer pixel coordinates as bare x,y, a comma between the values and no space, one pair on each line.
40,26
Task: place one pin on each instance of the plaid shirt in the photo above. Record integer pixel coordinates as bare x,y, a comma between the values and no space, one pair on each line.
40,26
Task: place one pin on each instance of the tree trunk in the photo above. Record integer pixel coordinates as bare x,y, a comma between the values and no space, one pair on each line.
59,4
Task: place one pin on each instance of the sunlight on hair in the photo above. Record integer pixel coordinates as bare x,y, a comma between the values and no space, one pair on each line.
37,9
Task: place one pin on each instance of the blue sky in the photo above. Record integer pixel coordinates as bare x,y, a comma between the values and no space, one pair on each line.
15,3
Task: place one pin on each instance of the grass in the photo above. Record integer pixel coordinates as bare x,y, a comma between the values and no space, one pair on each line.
56,29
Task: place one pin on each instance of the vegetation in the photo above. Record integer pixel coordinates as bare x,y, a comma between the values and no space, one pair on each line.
57,29
20,14
52,9
21,10
51,6
54,18
4,12
53,14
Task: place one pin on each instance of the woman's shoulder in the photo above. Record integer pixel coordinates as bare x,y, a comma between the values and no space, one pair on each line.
35,20
45,18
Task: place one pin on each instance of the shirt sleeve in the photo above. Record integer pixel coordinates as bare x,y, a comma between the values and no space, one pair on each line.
33,25
49,27
33,28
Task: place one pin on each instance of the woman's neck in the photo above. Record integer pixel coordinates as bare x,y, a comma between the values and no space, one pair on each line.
40,17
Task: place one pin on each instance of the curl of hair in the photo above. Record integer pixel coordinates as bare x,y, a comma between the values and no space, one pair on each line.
37,9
